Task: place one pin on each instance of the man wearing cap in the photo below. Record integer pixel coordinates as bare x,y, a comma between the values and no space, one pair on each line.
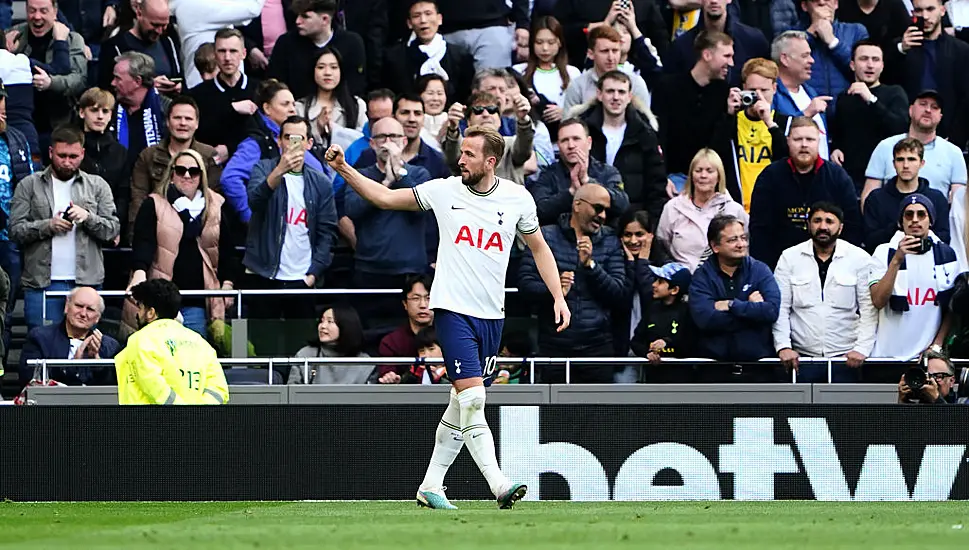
826,309
665,329
911,283
945,167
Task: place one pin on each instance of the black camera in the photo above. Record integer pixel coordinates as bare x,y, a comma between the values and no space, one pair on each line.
915,378
925,245
748,98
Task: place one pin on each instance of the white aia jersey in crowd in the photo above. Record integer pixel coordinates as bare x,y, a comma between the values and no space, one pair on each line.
477,232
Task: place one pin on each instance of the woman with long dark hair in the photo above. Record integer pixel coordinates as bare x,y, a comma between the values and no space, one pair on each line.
332,95
548,71
338,334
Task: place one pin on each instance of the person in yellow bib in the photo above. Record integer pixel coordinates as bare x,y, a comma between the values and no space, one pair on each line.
164,362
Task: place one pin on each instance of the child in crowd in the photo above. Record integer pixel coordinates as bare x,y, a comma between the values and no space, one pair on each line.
664,330
427,347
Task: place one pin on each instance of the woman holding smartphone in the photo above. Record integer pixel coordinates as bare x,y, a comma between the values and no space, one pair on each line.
548,71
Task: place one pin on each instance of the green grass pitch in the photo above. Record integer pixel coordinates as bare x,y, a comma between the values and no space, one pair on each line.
531,525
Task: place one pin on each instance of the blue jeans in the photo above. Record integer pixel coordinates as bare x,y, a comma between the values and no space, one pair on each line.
34,304
194,318
11,263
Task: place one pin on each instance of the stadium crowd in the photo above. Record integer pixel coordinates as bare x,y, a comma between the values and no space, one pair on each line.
730,180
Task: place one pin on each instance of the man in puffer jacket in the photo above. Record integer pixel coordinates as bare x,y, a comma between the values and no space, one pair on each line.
590,260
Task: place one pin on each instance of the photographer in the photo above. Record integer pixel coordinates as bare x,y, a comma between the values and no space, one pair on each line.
911,283
932,385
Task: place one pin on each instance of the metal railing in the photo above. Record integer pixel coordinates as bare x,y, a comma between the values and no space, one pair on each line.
568,362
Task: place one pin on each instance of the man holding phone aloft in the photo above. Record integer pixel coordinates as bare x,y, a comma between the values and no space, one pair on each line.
933,60
911,282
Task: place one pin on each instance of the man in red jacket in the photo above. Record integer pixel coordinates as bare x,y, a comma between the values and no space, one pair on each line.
402,342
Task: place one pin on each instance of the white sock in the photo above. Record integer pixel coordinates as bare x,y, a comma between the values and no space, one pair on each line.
478,438
447,446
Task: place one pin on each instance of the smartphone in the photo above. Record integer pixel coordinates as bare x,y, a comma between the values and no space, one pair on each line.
925,245
295,142
624,4
64,213
176,79
918,22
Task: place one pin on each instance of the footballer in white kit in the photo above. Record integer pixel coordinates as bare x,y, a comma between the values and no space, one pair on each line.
478,216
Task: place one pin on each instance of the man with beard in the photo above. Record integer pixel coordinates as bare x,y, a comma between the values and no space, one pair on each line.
786,189
826,309
734,301
944,168
592,271
479,216
165,363
149,35
60,217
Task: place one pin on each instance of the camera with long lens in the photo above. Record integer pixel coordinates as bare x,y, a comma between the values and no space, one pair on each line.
916,379
748,98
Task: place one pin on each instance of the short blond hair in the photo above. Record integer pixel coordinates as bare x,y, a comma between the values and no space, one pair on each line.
95,97
713,158
761,67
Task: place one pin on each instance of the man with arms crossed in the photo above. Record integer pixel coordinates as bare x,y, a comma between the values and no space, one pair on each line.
478,215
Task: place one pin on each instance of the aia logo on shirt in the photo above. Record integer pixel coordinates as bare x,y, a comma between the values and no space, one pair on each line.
922,297
478,240
296,217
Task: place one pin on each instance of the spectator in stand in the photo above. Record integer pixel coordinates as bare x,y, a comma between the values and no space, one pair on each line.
734,299
276,104
940,377
226,102
786,189
583,16
666,328
332,95
866,113
416,298
591,262
433,91
826,308
60,218
748,42
604,44
958,227
885,20
428,346
103,155
198,23
295,52
149,172
339,334
15,167
147,36
881,206
182,234
41,38
205,63
637,55
945,166
933,60
683,226
690,104
93,20
483,111
16,75
276,19
293,224
791,50
832,43
556,186
911,284
751,137
390,244
481,27
542,147
547,70
380,104
409,111
426,52
640,249
624,136
75,337
139,118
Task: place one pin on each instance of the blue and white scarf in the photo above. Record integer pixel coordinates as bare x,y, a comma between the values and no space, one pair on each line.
151,118
945,271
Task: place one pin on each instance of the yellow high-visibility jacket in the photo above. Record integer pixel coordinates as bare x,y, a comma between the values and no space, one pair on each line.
165,363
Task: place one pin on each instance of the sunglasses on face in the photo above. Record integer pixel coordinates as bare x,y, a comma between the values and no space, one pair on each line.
598,208
182,171
916,215
479,109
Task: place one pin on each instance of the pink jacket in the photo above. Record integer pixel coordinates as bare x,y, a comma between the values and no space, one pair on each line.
683,228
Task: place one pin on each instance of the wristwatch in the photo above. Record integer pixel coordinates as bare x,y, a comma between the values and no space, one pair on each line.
592,264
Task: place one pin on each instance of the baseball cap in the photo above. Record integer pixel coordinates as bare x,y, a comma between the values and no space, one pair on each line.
917,198
677,274
932,94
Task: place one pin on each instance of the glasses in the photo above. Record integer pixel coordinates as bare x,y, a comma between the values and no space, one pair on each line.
419,298
385,137
479,109
599,208
940,376
916,215
183,171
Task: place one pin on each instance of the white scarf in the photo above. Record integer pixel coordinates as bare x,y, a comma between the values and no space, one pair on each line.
435,53
195,206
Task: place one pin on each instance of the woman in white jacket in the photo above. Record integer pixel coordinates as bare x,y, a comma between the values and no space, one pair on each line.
683,224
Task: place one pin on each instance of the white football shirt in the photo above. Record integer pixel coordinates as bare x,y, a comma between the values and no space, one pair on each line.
477,232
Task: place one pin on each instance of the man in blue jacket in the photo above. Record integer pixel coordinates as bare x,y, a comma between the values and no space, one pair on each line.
791,50
293,225
831,44
734,298
592,266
